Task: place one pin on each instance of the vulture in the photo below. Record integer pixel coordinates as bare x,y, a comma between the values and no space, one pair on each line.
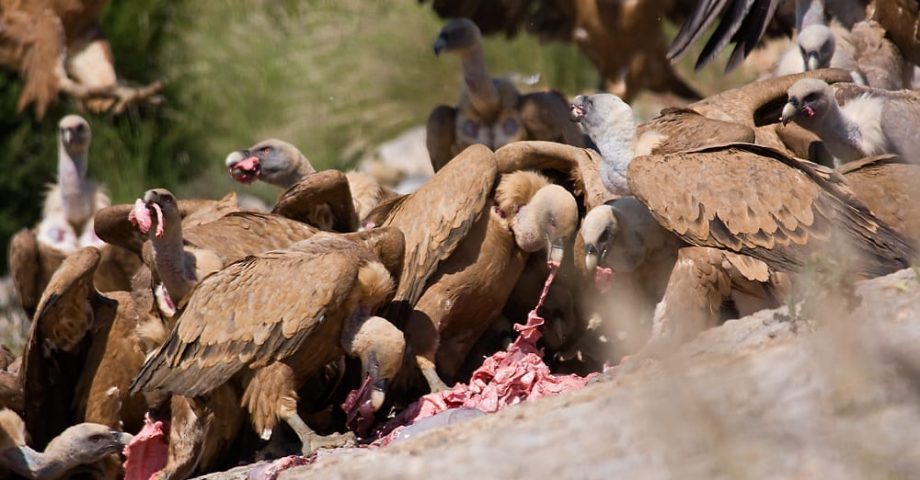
890,187
468,234
82,353
490,111
58,46
330,201
10,387
246,323
67,223
744,23
76,447
706,197
870,122
598,29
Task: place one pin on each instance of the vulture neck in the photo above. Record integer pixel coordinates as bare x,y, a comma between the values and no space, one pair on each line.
76,191
31,464
483,93
172,262
615,142
302,169
841,134
809,12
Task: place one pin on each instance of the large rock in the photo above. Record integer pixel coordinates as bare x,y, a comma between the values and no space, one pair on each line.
772,395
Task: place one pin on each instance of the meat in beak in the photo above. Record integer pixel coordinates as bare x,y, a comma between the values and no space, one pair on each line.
246,170
576,112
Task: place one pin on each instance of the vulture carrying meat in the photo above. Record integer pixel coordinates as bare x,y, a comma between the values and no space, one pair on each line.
246,323
66,455
468,234
870,122
490,111
744,23
67,224
327,200
599,29
58,46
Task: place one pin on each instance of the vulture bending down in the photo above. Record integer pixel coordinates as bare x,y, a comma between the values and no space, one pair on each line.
67,224
490,111
76,447
327,200
58,47
870,122
247,322
468,233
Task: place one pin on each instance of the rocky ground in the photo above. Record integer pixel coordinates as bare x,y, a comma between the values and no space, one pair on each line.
772,395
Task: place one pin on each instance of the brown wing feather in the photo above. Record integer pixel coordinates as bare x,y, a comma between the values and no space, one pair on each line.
198,212
545,116
249,314
239,234
41,39
890,187
440,135
25,268
754,200
328,188
438,216
681,129
55,353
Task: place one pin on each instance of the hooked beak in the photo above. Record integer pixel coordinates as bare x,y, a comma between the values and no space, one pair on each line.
123,438
576,113
790,110
591,255
439,45
68,136
811,62
379,393
556,250
243,166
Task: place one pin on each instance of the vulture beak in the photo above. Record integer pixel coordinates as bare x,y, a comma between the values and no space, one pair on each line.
591,257
790,110
67,136
576,112
439,45
556,250
122,438
379,393
811,61
243,166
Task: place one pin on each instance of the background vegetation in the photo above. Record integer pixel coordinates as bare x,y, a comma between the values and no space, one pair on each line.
335,77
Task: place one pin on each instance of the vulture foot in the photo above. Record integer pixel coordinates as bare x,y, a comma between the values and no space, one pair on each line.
114,98
313,441
431,375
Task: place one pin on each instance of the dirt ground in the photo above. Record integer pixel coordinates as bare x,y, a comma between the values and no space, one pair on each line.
772,395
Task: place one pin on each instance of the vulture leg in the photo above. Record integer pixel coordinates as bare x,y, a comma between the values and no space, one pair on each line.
440,135
424,338
693,299
313,441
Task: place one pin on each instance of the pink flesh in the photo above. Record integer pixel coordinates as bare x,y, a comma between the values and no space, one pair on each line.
603,278
358,409
509,377
146,454
140,216
809,111
246,170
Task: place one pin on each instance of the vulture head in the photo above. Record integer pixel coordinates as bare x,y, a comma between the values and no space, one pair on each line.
86,443
274,161
157,210
603,117
615,235
817,44
547,221
458,35
809,100
74,136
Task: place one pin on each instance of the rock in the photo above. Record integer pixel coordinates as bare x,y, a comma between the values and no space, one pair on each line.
772,395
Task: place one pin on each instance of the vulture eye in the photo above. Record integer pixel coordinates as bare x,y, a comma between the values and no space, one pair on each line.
266,150
97,437
602,239
470,129
811,97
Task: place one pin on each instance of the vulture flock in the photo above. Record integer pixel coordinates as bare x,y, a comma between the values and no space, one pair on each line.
173,336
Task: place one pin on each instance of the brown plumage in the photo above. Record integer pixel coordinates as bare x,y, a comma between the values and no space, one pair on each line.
490,111
890,187
246,322
319,199
10,387
77,446
772,207
57,46
81,346
597,28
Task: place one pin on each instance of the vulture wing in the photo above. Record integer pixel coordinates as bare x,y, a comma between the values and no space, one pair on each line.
756,201
890,187
25,268
545,116
440,134
198,211
322,189
678,130
249,314
239,234
900,19
438,216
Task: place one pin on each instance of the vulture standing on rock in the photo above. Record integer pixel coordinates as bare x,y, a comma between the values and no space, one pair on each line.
328,200
248,322
57,46
67,455
67,223
870,121
468,233
490,111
